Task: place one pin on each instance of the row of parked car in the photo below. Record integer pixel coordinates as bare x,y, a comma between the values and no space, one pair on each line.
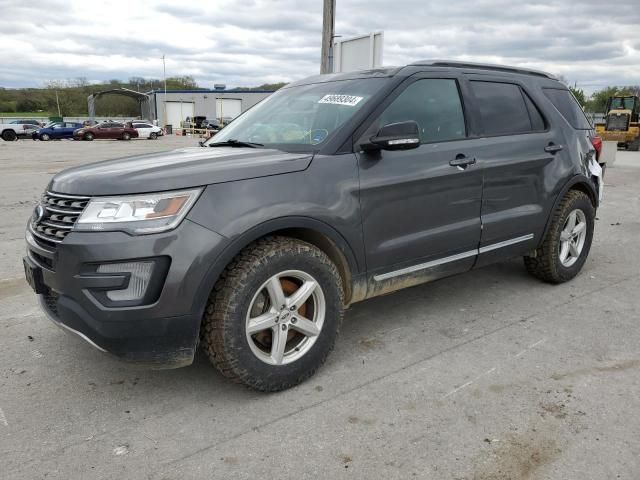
80,131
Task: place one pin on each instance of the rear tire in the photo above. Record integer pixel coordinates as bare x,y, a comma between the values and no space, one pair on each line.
566,246
634,146
245,350
9,136
126,136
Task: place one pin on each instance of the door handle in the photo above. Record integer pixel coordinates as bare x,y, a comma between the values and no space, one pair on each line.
462,161
553,148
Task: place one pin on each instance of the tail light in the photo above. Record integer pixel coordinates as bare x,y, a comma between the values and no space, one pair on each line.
597,144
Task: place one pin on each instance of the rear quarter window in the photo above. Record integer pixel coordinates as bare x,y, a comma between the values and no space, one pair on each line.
569,108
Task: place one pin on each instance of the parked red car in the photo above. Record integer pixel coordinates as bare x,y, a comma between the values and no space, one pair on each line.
112,130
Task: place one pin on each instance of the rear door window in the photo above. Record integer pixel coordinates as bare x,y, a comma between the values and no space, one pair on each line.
569,108
502,108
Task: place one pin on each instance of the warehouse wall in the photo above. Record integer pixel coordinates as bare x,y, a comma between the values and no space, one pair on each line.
204,101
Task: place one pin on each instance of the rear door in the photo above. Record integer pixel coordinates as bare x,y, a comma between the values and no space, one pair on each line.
518,157
420,213
116,130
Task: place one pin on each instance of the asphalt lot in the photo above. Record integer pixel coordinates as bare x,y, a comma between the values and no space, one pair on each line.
486,376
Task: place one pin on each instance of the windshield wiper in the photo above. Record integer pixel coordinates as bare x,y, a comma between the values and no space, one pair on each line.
236,143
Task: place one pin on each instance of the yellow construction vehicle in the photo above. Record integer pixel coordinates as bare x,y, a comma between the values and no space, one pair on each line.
621,122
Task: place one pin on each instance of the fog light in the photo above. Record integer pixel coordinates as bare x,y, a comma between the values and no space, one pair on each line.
138,282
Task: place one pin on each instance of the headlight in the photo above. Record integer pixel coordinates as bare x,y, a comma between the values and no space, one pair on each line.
79,132
137,214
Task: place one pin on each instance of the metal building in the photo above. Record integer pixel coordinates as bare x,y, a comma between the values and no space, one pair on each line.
180,104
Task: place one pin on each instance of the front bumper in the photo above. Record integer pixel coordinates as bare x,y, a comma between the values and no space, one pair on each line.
162,333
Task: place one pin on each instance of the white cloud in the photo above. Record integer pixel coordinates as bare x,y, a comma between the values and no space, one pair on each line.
245,43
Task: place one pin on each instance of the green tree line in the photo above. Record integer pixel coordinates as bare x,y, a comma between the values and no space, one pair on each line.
71,96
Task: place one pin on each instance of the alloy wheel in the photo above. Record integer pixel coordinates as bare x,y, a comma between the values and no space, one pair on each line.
285,317
572,238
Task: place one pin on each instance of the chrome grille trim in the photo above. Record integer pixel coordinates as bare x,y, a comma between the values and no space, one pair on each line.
62,195
61,212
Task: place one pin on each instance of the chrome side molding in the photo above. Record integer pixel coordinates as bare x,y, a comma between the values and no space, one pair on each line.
452,258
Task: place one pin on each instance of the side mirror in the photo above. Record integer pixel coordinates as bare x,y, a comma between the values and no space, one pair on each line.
396,136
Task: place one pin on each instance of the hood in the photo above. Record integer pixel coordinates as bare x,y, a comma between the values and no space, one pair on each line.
177,169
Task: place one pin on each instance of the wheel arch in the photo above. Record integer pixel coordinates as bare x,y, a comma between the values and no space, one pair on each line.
577,182
309,230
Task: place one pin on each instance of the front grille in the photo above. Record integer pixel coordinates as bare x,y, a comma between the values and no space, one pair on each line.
60,213
618,122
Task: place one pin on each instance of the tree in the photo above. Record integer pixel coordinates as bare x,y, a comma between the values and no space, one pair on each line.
580,96
7,106
598,101
265,86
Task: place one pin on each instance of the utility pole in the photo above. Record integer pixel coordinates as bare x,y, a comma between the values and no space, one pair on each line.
58,103
164,75
328,27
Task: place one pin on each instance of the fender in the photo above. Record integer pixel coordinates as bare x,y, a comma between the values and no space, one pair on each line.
580,179
239,242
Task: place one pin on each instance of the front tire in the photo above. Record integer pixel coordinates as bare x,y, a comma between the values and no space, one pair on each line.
566,246
88,137
126,136
153,136
45,137
274,314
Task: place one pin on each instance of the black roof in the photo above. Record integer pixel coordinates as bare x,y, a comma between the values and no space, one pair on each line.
483,66
411,68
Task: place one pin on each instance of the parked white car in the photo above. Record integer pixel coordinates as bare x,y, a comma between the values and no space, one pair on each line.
146,130
12,131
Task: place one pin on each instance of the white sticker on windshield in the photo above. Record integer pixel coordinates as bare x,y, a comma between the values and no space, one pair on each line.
349,100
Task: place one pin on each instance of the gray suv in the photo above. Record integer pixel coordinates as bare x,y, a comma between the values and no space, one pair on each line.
333,190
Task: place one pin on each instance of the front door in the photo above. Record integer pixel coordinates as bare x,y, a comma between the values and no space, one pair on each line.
103,131
421,207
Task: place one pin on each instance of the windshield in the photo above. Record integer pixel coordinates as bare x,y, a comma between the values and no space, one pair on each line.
622,103
300,118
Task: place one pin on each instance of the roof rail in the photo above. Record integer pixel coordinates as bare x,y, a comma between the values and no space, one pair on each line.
484,66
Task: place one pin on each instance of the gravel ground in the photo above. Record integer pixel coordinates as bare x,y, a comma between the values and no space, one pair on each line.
488,375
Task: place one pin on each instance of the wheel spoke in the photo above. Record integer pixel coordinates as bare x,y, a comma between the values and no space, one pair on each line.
262,322
278,344
571,221
565,236
276,294
574,250
564,251
579,228
305,326
302,294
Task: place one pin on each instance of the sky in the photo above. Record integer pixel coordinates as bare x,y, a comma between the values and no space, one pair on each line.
252,42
